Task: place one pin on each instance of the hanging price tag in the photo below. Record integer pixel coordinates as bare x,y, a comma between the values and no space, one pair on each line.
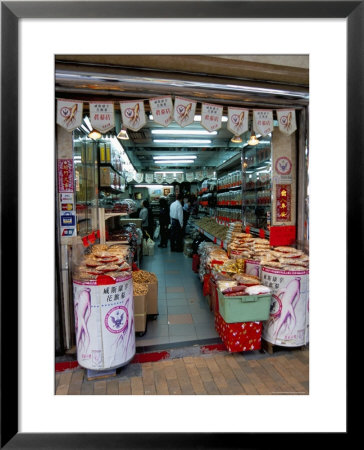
222,244
247,229
214,240
85,241
261,233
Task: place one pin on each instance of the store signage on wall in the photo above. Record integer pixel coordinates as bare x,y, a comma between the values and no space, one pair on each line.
184,111
287,121
263,121
102,116
211,116
133,114
283,202
162,110
179,177
237,120
190,176
65,175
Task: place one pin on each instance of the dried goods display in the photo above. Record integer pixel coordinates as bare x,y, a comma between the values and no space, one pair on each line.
144,277
103,260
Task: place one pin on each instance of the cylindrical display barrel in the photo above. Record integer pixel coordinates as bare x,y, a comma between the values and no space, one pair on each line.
104,321
288,321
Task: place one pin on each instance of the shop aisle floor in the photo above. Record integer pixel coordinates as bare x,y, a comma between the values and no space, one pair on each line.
184,313
216,373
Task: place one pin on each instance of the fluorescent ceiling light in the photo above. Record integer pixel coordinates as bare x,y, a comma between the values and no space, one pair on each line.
184,132
184,161
196,118
170,171
182,141
88,123
176,157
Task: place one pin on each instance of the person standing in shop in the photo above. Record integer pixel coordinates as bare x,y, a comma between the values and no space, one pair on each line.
163,221
143,214
176,215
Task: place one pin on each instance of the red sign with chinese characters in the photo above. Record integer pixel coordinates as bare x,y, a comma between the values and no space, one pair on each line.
65,175
283,202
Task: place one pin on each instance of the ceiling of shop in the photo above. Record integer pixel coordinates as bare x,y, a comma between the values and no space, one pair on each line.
141,147
131,77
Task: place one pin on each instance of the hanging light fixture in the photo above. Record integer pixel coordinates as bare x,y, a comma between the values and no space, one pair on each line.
95,135
253,140
236,139
123,134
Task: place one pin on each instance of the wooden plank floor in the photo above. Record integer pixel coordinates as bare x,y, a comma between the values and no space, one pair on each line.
219,373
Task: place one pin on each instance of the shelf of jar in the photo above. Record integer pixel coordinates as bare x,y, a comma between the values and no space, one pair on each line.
255,188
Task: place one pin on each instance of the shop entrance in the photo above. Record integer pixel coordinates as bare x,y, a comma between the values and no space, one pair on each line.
225,181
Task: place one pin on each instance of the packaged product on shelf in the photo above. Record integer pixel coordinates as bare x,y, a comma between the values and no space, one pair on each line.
246,279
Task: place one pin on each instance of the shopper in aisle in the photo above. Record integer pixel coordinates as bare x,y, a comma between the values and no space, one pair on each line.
176,215
163,221
143,214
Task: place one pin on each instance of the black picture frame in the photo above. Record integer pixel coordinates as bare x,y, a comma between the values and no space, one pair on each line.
11,13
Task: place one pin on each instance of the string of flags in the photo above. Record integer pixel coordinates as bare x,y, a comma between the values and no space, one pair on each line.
164,111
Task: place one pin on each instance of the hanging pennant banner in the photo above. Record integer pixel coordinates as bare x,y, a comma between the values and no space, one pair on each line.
159,178
179,177
129,177
69,114
149,178
199,175
133,114
139,177
169,178
237,120
190,176
287,121
162,110
184,111
263,121
209,173
102,116
211,116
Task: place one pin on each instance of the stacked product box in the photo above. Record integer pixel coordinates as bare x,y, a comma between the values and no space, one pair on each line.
242,309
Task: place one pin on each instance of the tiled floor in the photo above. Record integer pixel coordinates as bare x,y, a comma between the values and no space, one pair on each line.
184,313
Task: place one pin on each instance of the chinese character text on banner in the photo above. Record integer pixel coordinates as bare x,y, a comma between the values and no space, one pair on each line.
65,175
211,116
162,110
159,178
263,121
184,111
190,176
287,121
102,116
133,115
237,120
69,114
149,178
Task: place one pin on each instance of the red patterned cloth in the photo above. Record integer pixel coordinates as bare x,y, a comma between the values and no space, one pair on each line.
239,337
